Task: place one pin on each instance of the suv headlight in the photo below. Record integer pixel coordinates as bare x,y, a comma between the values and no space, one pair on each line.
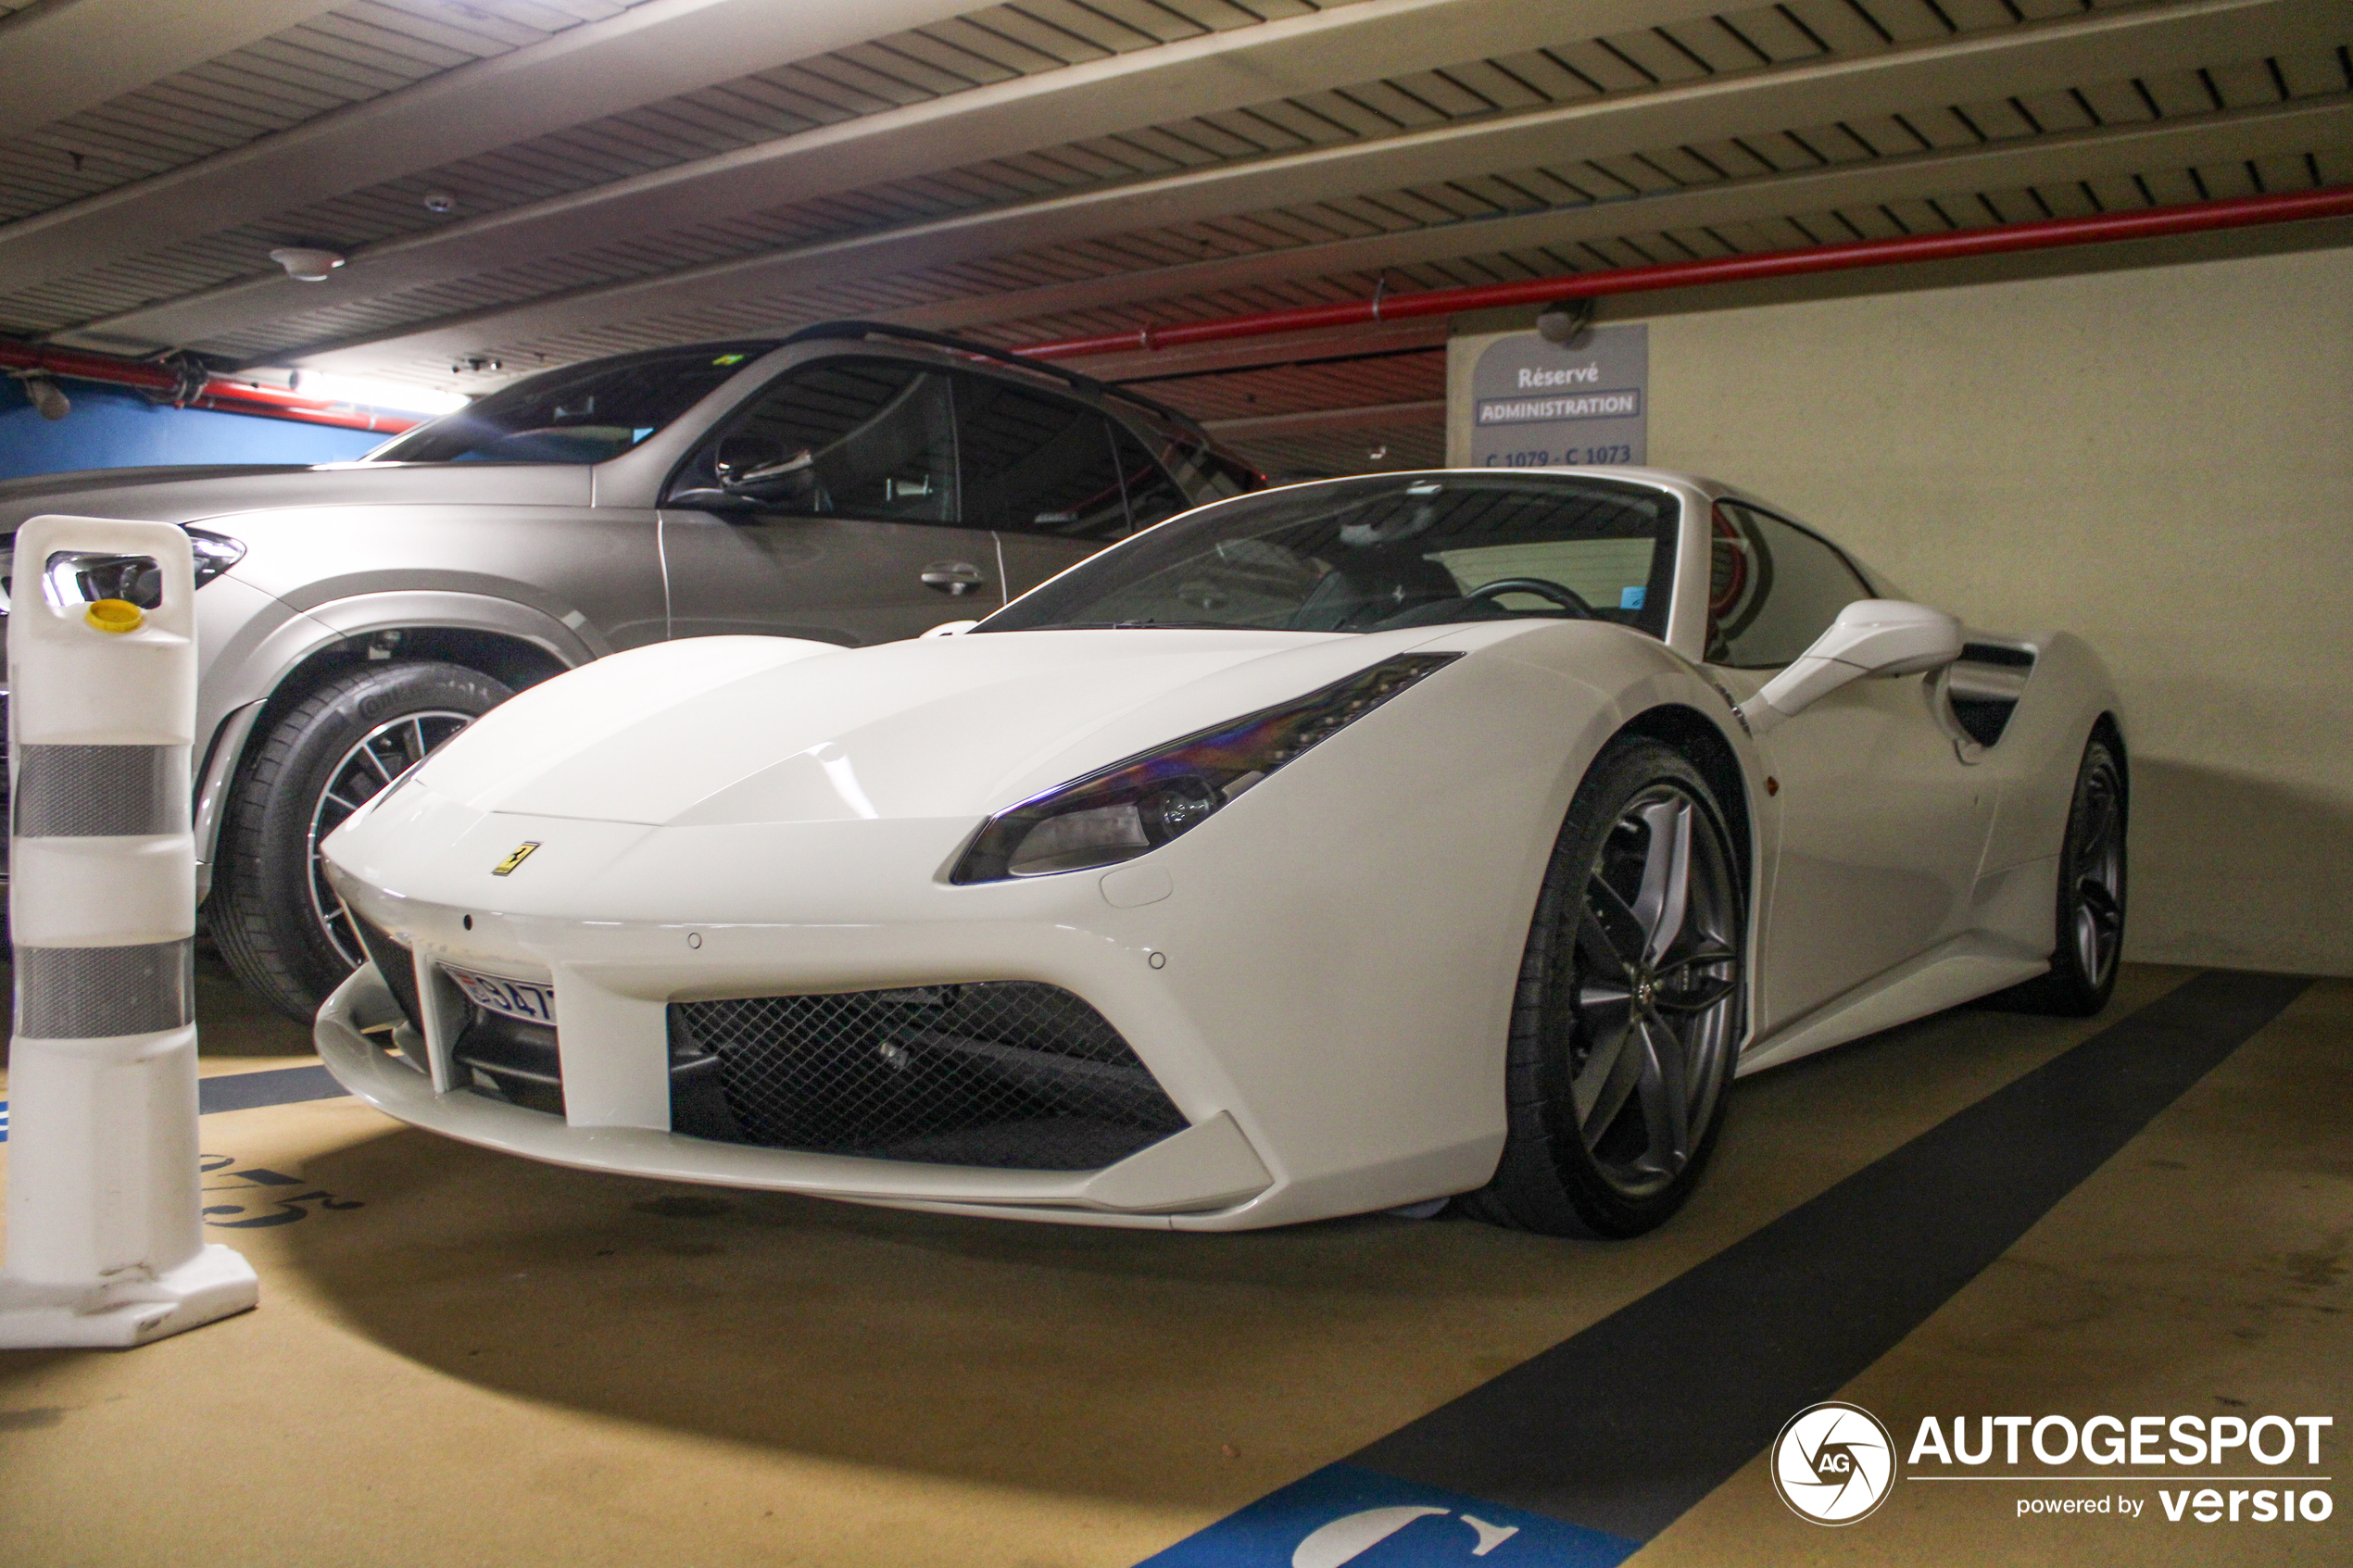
88,578
216,553
1134,806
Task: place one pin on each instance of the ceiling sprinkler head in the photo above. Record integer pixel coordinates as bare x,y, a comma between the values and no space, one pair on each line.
440,201
304,264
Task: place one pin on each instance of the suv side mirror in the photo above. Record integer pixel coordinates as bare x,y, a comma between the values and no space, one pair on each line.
758,467
751,469
1869,638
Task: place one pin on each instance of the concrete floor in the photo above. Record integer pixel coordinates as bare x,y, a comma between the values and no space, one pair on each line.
465,1358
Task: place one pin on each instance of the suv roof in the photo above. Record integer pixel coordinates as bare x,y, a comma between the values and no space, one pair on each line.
855,329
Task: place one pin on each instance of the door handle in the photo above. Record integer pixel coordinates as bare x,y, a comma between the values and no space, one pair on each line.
954,578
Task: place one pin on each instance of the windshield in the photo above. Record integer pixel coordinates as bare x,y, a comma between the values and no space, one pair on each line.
580,414
1378,553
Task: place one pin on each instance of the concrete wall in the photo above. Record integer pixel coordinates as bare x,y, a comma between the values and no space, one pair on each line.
110,429
2160,459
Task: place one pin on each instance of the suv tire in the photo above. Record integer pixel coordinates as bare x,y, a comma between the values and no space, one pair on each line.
268,912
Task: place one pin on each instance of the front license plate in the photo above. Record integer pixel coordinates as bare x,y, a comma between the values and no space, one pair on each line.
526,999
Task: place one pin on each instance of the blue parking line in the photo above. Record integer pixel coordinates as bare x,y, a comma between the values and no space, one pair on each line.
278,1086
1609,1436
247,1091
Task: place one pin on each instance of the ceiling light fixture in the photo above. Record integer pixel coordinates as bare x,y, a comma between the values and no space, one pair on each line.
440,201
307,264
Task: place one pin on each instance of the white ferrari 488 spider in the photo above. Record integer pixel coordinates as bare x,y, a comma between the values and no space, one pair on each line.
1340,847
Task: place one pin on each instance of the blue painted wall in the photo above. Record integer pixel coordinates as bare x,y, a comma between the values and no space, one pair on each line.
112,430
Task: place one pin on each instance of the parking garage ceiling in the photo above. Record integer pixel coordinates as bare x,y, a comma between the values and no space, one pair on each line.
524,183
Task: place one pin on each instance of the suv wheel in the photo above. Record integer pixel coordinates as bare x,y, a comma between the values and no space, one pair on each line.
277,922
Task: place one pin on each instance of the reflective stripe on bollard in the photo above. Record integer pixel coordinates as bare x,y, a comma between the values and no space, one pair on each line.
104,1245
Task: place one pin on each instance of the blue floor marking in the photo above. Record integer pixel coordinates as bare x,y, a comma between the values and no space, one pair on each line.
1345,1514
278,1085
248,1091
1602,1429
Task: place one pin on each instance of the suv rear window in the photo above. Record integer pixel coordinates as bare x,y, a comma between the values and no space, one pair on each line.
578,414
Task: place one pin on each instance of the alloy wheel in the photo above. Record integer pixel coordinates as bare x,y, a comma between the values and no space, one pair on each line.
2098,872
363,772
1658,990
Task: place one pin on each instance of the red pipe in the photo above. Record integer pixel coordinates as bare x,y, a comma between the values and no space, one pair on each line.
2239,212
214,392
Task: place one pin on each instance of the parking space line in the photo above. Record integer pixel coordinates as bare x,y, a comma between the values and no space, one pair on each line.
1619,1429
277,1086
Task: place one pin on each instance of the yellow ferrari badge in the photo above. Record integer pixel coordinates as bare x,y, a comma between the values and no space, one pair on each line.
522,853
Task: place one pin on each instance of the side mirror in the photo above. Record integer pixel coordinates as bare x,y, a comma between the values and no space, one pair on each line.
758,467
751,470
1869,638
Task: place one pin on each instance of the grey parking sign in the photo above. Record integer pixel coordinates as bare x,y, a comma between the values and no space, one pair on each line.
1535,403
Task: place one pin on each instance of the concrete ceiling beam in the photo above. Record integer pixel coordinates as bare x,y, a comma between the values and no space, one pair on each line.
651,52
2051,56
2077,156
1217,71
59,60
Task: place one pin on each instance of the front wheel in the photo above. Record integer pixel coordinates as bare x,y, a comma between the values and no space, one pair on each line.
1628,1013
277,922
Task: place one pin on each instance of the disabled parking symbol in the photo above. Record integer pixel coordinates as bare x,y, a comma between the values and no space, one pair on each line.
1341,1516
1351,1536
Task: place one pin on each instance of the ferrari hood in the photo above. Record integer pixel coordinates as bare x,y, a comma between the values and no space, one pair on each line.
739,730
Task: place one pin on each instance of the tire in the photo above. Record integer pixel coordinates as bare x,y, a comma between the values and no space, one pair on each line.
2089,909
1623,1009
271,914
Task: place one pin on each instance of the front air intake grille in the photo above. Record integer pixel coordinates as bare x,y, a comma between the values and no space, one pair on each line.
1008,1075
396,967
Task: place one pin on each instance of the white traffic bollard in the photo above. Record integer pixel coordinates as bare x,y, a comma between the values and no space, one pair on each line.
105,1244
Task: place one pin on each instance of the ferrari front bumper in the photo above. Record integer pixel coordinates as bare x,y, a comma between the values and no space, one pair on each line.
1194,1178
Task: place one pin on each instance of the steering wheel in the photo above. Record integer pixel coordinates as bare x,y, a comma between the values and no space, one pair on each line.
1543,588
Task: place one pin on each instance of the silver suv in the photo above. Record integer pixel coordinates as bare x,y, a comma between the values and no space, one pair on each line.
851,483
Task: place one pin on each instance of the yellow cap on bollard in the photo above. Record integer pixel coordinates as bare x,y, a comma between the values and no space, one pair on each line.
115,615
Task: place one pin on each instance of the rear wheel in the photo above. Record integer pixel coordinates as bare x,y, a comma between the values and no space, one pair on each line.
2089,941
277,922
1629,1006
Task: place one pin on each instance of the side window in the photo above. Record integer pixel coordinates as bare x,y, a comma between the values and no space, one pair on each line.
867,438
1035,463
1203,474
1772,589
1152,494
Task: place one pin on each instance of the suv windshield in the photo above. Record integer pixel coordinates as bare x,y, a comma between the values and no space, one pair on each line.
1378,553
580,414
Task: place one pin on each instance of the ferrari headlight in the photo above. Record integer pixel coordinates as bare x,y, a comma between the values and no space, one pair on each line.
1139,805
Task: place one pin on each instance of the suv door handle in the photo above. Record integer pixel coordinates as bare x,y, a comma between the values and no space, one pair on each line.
954,578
